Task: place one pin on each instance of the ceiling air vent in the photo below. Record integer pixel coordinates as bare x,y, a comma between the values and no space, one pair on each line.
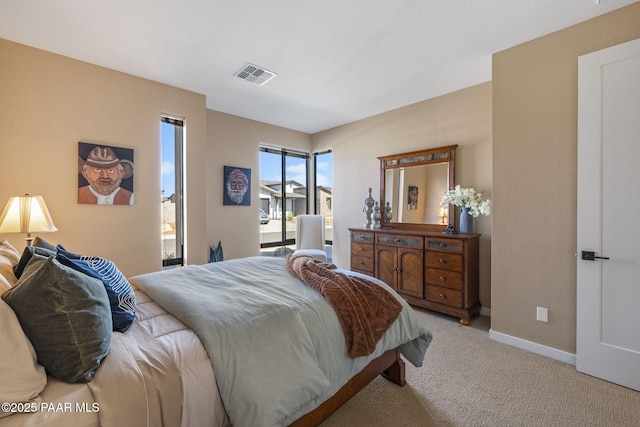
254,74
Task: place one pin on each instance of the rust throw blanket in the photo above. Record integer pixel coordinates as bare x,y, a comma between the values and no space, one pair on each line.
365,310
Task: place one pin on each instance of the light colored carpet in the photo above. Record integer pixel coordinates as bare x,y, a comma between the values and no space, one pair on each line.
470,380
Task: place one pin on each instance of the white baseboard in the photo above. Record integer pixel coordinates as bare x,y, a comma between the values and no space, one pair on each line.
485,312
533,347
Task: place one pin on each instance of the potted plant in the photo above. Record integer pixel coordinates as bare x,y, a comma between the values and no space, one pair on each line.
215,252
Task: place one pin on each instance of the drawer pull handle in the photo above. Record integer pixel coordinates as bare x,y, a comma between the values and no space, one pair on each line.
442,278
361,249
443,296
397,240
443,245
443,261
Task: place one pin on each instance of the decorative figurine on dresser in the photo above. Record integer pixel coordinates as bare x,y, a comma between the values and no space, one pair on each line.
377,216
428,268
368,208
388,215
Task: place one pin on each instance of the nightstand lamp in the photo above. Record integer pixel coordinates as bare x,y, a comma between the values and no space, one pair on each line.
26,214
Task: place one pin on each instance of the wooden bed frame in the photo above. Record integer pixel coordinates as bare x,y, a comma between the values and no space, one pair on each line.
390,365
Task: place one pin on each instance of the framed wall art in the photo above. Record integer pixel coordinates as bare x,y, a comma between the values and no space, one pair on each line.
413,198
237,186
105,174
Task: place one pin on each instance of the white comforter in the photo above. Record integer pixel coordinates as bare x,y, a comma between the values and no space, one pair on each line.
156,374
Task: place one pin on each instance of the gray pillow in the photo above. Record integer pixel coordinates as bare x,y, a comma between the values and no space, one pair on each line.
26,257
40,242
66,316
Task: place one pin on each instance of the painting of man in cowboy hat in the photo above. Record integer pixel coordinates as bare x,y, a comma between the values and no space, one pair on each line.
105,175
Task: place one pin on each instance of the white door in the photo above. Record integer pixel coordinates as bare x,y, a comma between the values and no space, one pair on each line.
608,290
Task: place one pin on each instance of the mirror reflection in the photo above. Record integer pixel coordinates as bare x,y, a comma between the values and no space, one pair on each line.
414,183
414,193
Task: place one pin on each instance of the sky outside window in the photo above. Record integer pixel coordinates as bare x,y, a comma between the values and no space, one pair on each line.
270,169
168,159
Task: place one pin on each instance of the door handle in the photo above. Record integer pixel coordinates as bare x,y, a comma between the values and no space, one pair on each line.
591,256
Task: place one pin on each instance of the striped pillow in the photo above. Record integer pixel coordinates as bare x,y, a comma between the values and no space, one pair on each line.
121,296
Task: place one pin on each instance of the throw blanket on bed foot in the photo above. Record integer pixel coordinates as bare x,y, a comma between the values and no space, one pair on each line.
365,310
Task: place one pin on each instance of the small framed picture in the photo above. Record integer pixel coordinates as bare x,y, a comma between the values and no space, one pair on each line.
413,197
237,186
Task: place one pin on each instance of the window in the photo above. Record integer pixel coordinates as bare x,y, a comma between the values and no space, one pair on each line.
323,178
172,216
284,193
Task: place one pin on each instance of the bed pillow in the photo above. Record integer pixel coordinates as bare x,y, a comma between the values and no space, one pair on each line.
7,276
66,316
22,377
9,251
9,257
41,243
4,284
26,257
121,296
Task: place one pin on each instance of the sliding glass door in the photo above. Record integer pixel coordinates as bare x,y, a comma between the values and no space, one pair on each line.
284,193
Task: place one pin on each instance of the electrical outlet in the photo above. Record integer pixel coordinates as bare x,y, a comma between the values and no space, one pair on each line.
542,314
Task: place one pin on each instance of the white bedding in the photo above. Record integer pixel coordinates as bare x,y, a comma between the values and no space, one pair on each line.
55,396
158,373
201,401
277,346
102,401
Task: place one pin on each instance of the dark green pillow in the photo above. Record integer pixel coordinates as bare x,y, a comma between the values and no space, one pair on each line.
26,257
66,316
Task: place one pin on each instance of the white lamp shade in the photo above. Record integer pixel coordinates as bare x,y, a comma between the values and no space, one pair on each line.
26,214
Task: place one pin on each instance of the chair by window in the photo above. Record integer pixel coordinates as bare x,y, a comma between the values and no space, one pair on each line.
310,236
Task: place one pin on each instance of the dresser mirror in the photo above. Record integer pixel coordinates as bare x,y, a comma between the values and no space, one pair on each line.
414,184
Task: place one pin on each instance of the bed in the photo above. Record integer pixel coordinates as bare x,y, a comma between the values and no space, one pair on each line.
241,342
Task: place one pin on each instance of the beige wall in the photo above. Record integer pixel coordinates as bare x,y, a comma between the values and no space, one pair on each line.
234,141
462,118
534,177
48,103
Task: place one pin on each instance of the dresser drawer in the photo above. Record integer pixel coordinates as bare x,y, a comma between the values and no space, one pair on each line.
361,236
414,242
362,264
445,245
362,249
444,296
444,261
448,279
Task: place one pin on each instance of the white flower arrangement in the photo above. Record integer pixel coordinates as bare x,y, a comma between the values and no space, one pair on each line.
468,198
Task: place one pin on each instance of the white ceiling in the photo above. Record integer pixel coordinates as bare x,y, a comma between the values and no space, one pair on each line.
337,60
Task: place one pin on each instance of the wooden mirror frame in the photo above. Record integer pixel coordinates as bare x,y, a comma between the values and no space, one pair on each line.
414,158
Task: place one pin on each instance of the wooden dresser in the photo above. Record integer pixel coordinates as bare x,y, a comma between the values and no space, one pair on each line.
429,269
